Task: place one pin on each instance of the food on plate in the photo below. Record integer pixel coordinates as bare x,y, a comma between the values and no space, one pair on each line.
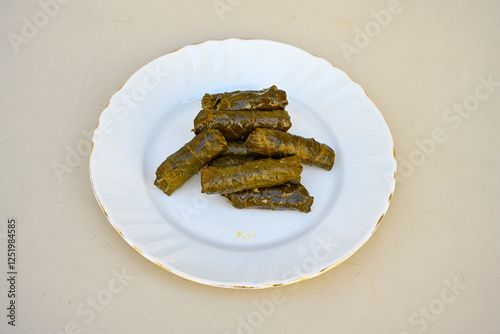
250,159
236,153
249,175
266,99
237,148
282,197
187,161
232,159
237,124
274,143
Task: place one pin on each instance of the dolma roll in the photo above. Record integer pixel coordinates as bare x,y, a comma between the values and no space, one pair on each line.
232,159
236,148
237,124
187,161
283,197
260,173
273,143
266,99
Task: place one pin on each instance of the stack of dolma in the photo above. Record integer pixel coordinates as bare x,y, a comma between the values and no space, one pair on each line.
249,157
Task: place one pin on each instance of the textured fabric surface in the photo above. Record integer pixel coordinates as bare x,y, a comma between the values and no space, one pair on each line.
432,69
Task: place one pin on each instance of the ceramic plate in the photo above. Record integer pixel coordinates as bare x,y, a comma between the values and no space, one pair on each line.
202,237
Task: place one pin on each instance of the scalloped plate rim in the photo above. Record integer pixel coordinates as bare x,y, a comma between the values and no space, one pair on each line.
208,281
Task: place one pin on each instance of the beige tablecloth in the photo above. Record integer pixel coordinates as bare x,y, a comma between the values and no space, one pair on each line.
432,68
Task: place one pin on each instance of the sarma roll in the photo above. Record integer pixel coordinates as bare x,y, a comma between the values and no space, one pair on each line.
237,148
283,197
237,124
274,143
188,160
232,159
266,99
260,173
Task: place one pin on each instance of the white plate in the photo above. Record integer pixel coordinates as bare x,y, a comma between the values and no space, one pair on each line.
203,238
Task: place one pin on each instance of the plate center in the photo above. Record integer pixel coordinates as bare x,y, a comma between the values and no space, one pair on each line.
210,218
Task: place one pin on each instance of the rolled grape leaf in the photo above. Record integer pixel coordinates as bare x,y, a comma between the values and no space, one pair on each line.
232,159
273,143
266,99
237,124
260,173
236,153
283,197
187,161
237,148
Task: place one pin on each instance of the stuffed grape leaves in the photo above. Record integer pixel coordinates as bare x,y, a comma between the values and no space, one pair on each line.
282,197
232,159
274,143
249,175
237,124
237,148
266,99
188,160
